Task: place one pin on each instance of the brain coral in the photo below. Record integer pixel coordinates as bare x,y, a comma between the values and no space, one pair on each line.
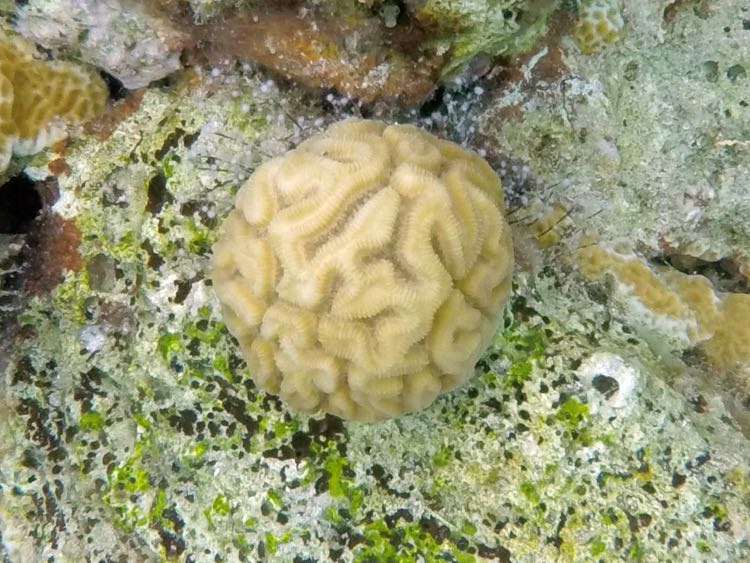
364,272
37,96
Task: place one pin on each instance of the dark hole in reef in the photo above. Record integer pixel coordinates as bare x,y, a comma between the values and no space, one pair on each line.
190,138
10,281
20,203
606,385
172,141
166,83
433,104
154,260
736,72
183,290
678,479
158,194
115,87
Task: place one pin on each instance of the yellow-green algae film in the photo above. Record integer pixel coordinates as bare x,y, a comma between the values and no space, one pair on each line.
130,431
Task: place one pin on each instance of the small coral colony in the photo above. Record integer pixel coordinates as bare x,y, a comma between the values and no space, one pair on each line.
364,272
39,98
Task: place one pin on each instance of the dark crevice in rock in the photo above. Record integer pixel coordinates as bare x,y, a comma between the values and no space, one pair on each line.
20,204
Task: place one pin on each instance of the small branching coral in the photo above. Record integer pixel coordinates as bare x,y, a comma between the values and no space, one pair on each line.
364,272
38,97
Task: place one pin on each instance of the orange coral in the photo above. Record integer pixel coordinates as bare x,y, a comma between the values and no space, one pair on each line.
36,97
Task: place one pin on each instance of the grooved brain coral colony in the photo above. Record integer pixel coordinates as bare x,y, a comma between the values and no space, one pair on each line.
364,272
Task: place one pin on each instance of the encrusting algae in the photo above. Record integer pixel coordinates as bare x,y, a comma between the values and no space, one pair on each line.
38,97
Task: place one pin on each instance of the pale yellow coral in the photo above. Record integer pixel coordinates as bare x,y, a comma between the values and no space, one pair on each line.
730,344
638,279
364,272
716,323
38,97
599,22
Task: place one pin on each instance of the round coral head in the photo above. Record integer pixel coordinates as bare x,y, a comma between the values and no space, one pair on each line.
364,272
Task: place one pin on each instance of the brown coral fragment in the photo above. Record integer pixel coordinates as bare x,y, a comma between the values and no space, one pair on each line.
359,58
37,97
364,272
59,167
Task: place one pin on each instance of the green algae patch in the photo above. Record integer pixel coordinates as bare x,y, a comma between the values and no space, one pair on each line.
442,457
597,547
572,412
169,344
529,492
91,420
519,372
403,543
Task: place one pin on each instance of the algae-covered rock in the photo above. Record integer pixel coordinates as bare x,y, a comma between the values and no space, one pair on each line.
466,28
120,36
648,135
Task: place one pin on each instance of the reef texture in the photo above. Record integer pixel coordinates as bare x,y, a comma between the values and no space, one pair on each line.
373,50
131,430
365,271
38,97
647,138
482,28
353,55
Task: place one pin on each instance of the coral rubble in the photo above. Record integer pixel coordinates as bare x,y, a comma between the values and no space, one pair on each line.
471,28
123,37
